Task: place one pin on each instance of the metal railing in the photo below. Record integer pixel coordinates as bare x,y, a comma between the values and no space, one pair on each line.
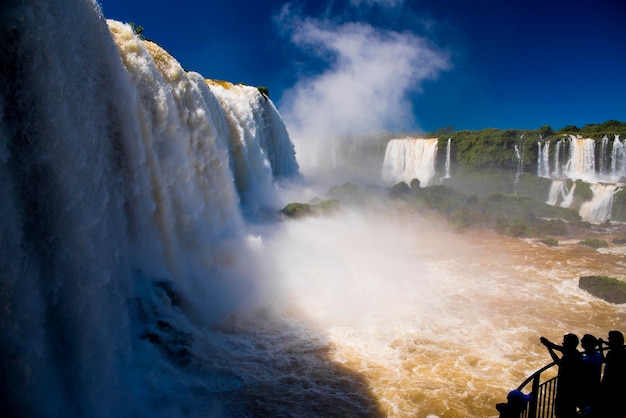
543,394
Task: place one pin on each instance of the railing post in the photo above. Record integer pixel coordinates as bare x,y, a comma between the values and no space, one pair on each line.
532,405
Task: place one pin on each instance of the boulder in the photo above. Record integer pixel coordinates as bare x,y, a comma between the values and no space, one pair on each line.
606,288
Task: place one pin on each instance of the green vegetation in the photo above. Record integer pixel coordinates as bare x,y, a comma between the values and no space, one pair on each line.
494,149
264,91
595,243
137,30
550,242
582,193
606,288
513,215
317,207
618,212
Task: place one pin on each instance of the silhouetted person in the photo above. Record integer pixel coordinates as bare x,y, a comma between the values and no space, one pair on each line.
515,405
614,377
592,372
568,385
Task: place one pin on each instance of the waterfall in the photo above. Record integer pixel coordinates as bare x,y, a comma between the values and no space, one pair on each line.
618,159
599,207
118,170
582,163
410,158
519,155
560,194
543,158
557,173
448,152
605,157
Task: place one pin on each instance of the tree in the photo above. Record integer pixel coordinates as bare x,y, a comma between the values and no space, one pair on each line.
137,30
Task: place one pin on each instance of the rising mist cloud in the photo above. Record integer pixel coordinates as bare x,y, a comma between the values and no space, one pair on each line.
365,85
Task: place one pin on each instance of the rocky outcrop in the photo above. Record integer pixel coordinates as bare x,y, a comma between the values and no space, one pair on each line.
607,288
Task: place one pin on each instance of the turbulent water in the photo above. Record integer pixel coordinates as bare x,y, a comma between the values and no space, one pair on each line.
144,272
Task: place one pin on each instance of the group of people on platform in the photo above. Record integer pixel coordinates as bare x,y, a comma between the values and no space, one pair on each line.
583,387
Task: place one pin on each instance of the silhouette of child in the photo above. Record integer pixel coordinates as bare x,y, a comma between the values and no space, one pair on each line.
515,405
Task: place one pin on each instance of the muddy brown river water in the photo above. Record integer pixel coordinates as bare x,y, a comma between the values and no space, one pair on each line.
441,323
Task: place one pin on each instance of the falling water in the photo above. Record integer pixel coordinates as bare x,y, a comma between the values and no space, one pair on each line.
582,162
410,158
560,194
448,152
134,285
543,159
122,175
618,159
599,207
519,155
558,172
604,159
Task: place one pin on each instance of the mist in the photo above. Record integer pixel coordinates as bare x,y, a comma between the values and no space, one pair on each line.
361,86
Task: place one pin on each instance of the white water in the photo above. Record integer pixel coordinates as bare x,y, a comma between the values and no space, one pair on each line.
448,153
599,207
410,158
543,159
133,285
581,165
618,159
119,171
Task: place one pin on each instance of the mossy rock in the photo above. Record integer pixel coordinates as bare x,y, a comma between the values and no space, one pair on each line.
550,242
319,207
606,288
582,194
619,241
297,210
595,243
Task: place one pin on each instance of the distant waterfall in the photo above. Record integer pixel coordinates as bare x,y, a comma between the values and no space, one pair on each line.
560,194
118,170
543,159
582,162
575,158
448,152
599,208
410,158
618,159
605,157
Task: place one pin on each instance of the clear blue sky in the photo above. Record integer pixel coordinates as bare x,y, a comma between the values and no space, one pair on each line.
413,65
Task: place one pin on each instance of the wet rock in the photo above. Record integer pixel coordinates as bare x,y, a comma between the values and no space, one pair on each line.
606,288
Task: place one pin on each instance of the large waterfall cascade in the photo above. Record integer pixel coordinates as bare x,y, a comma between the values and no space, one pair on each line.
575,158
116,165
410,158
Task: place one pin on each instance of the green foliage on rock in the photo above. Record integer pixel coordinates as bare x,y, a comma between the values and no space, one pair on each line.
595,243
509,214
137,30
319,207
550,242
618,212
606,288
264,91
582,194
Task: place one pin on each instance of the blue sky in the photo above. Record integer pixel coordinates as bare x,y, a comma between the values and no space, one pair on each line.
363,65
